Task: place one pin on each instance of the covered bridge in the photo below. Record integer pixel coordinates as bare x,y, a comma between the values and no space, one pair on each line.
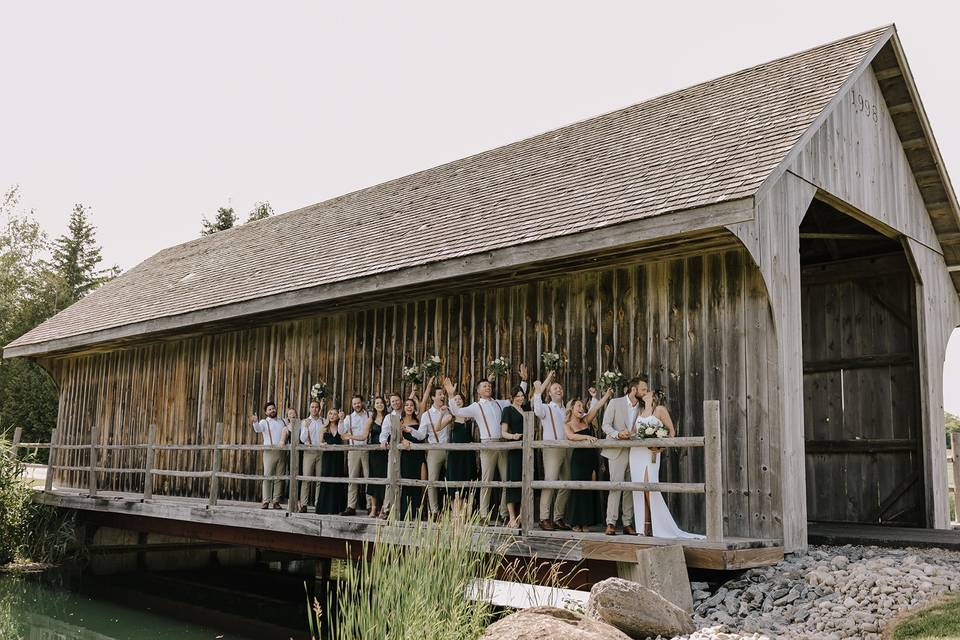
784,240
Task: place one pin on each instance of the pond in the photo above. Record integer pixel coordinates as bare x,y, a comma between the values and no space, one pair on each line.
222,604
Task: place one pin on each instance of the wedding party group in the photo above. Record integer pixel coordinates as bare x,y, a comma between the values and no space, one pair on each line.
443,415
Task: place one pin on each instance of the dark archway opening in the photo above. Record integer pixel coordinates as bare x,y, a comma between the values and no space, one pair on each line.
862,427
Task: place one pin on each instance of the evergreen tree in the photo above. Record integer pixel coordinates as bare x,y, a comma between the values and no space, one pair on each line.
260,211
76,258
225,219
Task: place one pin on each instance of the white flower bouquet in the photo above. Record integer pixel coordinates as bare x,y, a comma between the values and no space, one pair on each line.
430,367
412,374
318,391
499,366
651,427
613,380
553,361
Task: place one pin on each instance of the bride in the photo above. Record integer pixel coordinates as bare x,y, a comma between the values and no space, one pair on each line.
649,506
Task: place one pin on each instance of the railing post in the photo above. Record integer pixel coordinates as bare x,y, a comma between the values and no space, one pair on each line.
526,490
393,464
955,447
17,434
92,479
215,471
148,463
293,503
51,461
713,469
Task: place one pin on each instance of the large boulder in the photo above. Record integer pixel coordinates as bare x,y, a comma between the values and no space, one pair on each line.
637,611
550,623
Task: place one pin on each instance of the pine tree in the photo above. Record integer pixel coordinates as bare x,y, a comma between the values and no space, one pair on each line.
260,211
225,219
76,258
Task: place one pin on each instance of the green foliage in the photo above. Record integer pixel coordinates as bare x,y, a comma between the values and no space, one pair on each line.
941,620
76,258
224,220
14,504
951,422
260,211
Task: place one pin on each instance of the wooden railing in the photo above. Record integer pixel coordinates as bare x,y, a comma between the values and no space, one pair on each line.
710,442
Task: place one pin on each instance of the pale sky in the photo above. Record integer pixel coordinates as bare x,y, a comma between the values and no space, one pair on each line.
156,113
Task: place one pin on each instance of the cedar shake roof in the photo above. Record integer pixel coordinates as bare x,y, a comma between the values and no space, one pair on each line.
709,143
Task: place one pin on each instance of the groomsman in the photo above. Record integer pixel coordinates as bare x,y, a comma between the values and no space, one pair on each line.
390,425
352,429
311,436
556,462
486,412
435,428
274,430
619,422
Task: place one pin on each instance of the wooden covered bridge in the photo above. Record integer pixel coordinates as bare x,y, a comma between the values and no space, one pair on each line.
778,249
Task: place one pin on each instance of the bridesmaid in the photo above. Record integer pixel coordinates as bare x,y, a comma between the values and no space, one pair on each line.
378,459
332,497
461,465
411,462
511,428
581,507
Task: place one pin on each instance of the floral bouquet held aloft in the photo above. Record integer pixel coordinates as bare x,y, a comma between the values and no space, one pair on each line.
499,366
651,427
553,361
319,391
430,368
412,374
610,380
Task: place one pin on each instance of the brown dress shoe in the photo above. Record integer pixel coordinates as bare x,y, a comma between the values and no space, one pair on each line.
629,531
546,525
349,511
560,524
611,530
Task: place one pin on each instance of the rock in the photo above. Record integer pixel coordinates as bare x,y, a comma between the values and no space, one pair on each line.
550,623
637,611
700,595
840,562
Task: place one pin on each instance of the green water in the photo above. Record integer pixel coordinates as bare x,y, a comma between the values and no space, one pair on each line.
49,606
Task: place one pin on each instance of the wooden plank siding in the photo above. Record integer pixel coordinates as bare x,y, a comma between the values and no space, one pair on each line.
682,321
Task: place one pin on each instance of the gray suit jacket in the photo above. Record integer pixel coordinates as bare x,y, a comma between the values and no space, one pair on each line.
619,416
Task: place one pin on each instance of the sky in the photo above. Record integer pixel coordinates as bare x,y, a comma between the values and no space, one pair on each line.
153,114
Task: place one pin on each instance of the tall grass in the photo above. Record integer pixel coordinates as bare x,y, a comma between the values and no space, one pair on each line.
412,583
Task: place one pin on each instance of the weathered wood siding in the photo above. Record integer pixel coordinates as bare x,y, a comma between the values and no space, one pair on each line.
699,326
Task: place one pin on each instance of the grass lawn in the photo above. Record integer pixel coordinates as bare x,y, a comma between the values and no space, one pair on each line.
941,620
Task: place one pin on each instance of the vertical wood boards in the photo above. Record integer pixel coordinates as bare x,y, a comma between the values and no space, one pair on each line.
694,324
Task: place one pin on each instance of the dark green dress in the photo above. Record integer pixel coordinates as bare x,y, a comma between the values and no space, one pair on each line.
332,497
581,507
514,420
378,464
410,463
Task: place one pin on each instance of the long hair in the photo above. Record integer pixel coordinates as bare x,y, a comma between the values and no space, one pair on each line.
414,415
373,409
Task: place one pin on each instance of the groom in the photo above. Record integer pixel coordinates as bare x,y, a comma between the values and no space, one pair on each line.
618,424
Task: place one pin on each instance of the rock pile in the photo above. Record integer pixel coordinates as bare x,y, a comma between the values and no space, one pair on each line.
832,592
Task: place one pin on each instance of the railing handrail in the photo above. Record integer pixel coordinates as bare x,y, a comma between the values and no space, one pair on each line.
710,441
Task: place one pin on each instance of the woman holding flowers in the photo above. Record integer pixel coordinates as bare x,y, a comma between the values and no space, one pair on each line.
654,421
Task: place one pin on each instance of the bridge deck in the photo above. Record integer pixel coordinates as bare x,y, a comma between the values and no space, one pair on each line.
338,536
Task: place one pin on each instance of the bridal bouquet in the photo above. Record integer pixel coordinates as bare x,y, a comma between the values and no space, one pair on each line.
651,427
499,366
318,391
610,380
412,374
553,361
430,367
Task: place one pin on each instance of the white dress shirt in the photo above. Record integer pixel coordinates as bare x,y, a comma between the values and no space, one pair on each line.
385,427
430,429
311,431
486,413
552,416
272,430
354,424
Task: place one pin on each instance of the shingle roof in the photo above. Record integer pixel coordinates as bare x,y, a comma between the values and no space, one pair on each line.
708,143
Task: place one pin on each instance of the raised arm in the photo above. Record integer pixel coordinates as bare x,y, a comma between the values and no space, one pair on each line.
424,402
256,423
596,406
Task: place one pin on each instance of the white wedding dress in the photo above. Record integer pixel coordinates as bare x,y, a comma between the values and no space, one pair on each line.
643,468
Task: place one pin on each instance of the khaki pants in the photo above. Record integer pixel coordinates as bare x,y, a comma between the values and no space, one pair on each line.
491,462
436,462
618,472
358,466
311,467
556,466
273,466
